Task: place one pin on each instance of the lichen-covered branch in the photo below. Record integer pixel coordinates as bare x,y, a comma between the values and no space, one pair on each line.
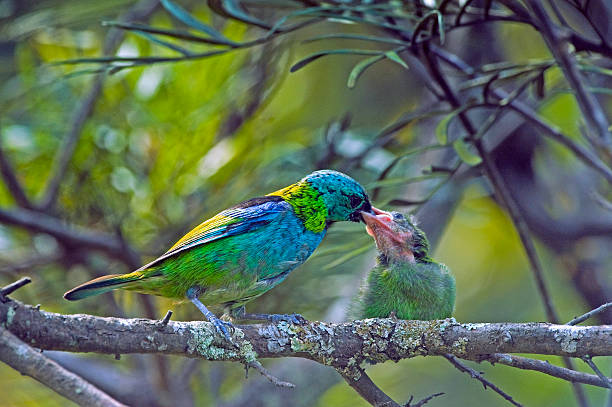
340,345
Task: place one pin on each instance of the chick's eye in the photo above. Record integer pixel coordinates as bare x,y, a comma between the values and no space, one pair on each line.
398,216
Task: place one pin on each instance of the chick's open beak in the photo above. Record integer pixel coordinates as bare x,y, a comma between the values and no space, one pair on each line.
380,211
378,223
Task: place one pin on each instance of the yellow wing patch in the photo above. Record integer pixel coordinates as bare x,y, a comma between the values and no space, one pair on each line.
216,221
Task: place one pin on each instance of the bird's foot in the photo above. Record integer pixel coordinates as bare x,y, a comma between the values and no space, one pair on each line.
223,328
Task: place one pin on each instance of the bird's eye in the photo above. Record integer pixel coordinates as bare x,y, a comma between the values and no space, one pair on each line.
398,216
355,201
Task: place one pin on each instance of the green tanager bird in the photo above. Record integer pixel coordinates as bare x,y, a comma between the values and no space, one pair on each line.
406,282
244,251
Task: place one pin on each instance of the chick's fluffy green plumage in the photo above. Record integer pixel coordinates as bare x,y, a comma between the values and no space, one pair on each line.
406,282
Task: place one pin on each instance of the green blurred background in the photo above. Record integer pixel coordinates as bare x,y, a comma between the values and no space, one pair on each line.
169,145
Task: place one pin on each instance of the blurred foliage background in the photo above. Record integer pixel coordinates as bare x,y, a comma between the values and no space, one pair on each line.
141,155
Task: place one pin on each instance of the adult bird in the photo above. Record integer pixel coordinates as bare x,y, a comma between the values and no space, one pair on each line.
405,282
244,251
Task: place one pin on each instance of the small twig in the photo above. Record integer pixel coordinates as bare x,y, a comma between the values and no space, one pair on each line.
28,361
590,314
86,105
545,367
601,201
422,402
358,379
11,181
558,44
589,361
74,235
475,375
266,373
4,291
164,321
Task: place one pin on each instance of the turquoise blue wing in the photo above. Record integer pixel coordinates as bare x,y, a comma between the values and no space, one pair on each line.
242,218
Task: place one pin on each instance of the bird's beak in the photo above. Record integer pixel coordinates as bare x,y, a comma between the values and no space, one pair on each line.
380,211
377,223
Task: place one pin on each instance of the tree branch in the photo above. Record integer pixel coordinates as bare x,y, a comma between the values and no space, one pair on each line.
478,376
358,379
11,181
338,345
21,357
558,45
541,366
141,10
71,235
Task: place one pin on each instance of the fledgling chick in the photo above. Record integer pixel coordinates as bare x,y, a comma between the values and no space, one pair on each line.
405,282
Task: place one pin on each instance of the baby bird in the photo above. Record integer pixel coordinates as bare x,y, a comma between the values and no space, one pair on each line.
406,282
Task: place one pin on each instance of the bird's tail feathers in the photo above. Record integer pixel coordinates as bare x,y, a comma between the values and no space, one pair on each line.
101,285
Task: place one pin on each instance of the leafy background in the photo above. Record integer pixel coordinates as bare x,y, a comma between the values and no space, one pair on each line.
168,145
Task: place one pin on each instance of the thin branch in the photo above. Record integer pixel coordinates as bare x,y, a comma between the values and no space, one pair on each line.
589,361
421,403
266,373
586,156
358,379
7,290
476,375
545,367
71,235
21,357
11,181
590,314
558,45
86,106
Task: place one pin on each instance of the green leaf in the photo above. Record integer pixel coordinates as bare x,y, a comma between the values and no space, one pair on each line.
233,9
442,128
393,56
357,37
163,43
465,154
313,57
360,68
181,14
596,69
178,34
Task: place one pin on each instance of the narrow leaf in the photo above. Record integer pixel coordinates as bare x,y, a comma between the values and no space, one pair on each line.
163,43
358,37
360,68
442,128
465,154
233,9
313,57
393,56
181,35
181,14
